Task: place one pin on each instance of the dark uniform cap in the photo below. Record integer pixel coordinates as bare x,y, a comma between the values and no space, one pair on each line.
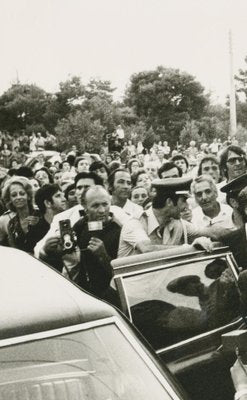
236,185
176,185
179,285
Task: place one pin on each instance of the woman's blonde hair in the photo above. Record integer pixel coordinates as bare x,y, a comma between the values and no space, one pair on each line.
24,182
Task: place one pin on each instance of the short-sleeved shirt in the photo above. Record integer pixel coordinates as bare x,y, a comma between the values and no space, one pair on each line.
223,219
147,228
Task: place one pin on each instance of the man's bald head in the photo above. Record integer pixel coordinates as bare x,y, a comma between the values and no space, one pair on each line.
96,201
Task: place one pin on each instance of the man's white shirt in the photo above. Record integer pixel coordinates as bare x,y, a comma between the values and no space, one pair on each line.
223,219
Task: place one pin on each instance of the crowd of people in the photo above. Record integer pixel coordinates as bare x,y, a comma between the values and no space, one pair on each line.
144,201
83,210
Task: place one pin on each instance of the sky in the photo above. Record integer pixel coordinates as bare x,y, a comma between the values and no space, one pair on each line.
47,41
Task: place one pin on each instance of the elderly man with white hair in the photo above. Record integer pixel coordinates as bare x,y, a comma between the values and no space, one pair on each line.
209,211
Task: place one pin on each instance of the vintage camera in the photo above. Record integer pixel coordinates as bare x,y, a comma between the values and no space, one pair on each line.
67,235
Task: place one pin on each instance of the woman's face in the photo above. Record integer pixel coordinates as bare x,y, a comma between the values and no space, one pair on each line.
14,164
72,199
42,177
18,196
151,171
57,177
211,168
134,167
182,164
108,159
138,195
35,184
66,167
144,180
83,166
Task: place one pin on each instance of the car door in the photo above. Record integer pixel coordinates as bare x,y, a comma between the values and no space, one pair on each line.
182,306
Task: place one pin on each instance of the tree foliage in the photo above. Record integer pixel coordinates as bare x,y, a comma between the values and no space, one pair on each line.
81,129
166,99
22,105
241,79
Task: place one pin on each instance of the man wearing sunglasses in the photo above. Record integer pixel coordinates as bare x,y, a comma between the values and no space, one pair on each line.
233,162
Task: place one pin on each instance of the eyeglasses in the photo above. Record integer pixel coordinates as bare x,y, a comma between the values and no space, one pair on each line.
234,160
213,168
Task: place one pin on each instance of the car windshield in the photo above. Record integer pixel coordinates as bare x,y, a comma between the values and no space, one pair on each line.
97,363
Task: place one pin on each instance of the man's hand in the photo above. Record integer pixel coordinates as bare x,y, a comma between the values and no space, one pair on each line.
186,214
97,247
216,232
53,246
203,243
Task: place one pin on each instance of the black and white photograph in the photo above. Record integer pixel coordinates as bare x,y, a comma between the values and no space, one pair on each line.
123,200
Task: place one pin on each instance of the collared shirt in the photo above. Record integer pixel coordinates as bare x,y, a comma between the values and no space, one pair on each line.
223,219
73,214
147,228
137,230
125,213
132,209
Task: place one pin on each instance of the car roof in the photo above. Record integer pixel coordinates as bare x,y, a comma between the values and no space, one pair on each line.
36,298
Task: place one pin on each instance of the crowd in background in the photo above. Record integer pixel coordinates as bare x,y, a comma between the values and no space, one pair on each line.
134,191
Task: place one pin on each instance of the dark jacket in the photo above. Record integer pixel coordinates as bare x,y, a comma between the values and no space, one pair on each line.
237,242
95,274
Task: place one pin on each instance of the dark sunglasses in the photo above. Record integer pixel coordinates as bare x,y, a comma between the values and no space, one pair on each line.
233,160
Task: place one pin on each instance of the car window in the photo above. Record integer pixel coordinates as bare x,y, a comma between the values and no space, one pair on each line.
173,304
97,363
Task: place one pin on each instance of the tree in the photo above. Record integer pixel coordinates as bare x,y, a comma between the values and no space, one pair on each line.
102,89
241,135
81,129
71,94
166,99
87,113
21,106
190,132
241,103
241,79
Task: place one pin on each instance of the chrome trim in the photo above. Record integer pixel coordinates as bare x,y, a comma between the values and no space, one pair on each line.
233,265
55,332
105,321
178,256
123,297
229,259
198,337
151,365
170,265
157,259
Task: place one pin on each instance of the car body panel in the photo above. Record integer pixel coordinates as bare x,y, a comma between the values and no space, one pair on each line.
186,338
41,311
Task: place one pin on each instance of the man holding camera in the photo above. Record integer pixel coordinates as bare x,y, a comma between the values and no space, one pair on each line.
98,239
